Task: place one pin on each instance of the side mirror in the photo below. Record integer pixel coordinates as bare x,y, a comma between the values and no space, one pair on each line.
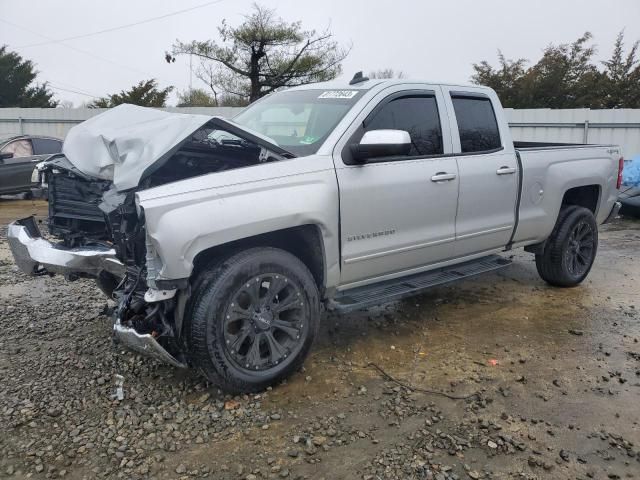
381,143
5,155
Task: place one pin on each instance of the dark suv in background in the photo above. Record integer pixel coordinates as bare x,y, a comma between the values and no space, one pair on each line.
18,157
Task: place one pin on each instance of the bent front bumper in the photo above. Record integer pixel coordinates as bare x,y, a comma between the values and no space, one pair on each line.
143,343
36,256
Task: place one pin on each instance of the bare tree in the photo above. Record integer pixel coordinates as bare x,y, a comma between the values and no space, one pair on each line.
263,54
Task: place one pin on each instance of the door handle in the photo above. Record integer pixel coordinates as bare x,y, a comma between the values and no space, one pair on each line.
443,177
504,170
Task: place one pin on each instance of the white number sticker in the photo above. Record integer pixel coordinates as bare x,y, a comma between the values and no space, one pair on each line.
338,94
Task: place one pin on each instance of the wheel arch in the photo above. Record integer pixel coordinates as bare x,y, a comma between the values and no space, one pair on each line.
305,242
587,196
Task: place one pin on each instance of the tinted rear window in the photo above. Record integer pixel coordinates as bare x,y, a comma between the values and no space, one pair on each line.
477,124
42,146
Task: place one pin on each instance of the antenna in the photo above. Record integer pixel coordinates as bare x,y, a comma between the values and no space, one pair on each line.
358,78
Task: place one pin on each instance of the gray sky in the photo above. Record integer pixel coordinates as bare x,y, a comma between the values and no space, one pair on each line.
431,40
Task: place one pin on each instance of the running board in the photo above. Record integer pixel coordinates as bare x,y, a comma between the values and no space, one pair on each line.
396,289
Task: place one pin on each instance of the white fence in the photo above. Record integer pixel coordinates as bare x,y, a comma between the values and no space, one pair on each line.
581,125
56,122
620,127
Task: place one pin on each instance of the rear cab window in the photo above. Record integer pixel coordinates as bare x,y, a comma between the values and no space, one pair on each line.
477,123
43,146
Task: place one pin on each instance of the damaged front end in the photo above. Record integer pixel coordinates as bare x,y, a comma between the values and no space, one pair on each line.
144,318
100,229
102,237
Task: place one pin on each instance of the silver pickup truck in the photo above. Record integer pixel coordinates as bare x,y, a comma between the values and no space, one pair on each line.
222,241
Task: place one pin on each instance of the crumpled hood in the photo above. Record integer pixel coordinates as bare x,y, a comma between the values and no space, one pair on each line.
120,144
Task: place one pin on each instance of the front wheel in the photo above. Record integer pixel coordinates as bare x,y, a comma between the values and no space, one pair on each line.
570,249
253,319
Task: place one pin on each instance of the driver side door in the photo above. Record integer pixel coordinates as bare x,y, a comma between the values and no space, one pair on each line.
398,214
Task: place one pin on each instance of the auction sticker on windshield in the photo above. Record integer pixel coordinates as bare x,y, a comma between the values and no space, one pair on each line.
338,94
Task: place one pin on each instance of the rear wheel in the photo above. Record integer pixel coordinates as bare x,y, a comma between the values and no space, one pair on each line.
570,249
253,319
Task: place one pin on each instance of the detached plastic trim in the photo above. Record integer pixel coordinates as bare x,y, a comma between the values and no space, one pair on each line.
145,344
614,212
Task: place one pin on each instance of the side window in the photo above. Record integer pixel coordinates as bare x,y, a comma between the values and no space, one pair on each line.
43,146
417,115
477,124
19,148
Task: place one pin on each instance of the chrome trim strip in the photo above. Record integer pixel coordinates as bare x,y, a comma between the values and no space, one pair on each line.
484,232
614,212
408,248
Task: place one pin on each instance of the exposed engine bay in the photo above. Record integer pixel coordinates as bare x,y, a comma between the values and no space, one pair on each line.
85,211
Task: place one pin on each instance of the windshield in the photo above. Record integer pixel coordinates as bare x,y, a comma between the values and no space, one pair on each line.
299,120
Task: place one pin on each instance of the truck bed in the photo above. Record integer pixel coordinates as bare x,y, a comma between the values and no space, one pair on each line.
545,169
551,145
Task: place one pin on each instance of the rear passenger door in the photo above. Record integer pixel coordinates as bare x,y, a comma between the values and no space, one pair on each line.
488,170
15,172
46,146
397,214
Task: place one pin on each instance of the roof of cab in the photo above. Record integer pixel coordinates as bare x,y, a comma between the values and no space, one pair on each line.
344,84
340,85
15,136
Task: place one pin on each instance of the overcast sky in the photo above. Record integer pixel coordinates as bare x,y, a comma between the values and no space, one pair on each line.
432,40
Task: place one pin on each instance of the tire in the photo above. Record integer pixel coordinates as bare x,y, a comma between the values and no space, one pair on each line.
570,249
227,305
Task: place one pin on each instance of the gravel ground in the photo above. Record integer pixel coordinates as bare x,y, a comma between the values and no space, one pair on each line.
546,385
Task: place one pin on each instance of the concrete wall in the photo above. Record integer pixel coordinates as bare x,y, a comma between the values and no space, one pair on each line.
620,127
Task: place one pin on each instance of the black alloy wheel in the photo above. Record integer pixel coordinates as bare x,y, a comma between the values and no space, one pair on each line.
579,256
264,322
